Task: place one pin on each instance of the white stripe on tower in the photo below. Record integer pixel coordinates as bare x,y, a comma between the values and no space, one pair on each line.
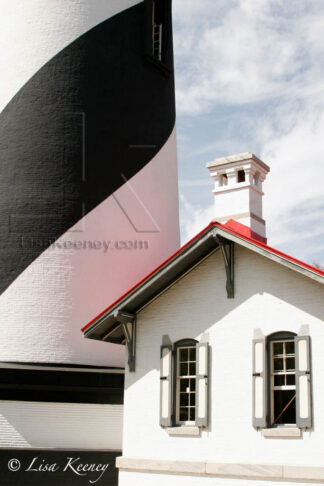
34,31
42,311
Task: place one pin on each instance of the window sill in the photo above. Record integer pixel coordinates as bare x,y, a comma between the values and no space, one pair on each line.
282,432
183,431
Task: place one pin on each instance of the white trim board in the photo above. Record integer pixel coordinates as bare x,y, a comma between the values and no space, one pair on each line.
279,472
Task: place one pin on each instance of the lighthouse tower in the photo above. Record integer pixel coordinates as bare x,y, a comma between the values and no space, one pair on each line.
88,185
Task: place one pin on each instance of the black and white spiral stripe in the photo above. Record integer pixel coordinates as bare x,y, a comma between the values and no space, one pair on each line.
87,148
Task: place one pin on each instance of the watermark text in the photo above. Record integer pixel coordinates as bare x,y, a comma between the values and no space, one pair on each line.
93,245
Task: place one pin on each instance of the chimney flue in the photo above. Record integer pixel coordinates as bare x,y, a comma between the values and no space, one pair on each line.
238,191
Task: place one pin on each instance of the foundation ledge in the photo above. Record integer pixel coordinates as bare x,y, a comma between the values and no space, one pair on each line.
279,472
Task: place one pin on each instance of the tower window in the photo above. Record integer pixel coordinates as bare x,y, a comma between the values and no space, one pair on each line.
157,28
223,180
241,176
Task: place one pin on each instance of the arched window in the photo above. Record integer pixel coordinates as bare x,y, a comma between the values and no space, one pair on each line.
282,381
184,383
282,378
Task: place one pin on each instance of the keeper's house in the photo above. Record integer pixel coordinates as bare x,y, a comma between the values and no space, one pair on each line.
224,383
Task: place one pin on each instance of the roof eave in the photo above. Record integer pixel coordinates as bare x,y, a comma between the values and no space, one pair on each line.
269,253
105,327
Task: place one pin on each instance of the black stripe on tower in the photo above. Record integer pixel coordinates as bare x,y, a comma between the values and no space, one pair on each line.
102,107
69,386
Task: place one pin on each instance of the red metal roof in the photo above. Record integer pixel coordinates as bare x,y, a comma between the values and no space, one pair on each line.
232,227
239,230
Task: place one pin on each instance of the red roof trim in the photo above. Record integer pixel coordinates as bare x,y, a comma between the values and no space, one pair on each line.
272,250
228,229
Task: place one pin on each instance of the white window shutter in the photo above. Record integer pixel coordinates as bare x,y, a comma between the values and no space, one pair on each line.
202,371
259,384
303,382
166,386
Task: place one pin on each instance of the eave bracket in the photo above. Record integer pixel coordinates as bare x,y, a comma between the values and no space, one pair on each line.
128,323
227,249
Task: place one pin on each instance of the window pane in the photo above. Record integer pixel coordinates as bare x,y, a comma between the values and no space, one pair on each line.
290,379
281,399
192,384
279,380
192,413
192,354
192,369
184,385
278,364
290,363
183,369
192,399
277,348
184,415
184,399
183,353
290,348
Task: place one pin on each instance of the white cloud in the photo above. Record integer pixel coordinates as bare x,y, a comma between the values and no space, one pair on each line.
193,218
195,183
294,191
223,144
247,52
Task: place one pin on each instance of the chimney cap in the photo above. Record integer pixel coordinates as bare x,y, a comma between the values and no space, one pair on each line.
243,157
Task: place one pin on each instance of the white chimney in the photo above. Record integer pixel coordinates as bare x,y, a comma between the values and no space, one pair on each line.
238,190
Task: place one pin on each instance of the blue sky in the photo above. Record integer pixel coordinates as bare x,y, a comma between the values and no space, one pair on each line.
250,78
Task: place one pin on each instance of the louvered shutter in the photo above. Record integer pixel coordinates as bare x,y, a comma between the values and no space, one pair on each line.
303,382
202,384
166,386
259,384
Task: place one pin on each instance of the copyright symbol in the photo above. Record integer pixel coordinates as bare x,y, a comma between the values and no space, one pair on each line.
14,464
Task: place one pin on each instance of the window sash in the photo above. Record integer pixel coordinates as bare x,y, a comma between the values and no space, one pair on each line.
284,356
180,377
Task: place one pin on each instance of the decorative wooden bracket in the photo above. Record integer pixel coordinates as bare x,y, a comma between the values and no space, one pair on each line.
128,322
227,249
